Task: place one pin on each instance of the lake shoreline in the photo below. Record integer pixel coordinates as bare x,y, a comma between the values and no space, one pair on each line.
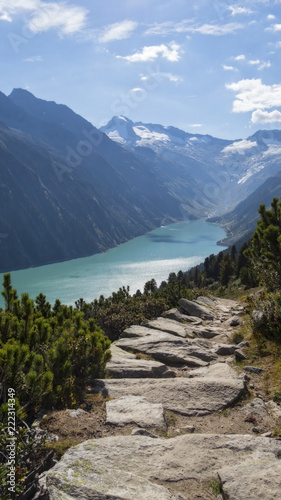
60,261
177,246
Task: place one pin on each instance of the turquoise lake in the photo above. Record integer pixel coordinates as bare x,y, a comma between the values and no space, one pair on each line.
154,255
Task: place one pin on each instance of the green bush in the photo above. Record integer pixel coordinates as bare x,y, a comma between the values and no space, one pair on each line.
46,356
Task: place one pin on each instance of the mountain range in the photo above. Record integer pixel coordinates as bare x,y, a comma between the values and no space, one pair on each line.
230,170
69,190
237,176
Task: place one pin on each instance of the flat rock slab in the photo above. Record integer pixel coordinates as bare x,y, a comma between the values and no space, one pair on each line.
205,332
189,396
142,468
195,309
136,331
220,371
206,301
190,330
85,482
138,368
182,318
169,326
126,365
117,354
252,481
170,349
135,410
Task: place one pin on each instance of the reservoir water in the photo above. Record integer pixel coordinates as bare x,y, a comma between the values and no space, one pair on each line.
167,249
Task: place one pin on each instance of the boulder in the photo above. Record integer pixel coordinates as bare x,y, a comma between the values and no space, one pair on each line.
244,343
195,309
135,410
239,355
233,321
256,409
226,349
142,468
200,395
274,409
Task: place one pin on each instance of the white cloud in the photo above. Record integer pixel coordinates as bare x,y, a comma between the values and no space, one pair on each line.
274,28
253,94
171,52
172,78
239,147
34,59
67,18
239,10
158,75
168,27
264,64
10,8
254,62
270,17
241,57
4,16
185,26
215,29
118,31
260,116
229,68
197,125
160,29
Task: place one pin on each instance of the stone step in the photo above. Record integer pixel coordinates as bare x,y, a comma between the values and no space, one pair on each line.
126,365
215,388
141,468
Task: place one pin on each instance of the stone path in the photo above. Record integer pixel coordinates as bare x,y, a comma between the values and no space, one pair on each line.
180,363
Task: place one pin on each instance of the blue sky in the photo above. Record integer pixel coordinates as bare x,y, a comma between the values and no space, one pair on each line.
205,66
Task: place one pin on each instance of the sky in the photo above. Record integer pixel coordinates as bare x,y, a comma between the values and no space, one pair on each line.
205,66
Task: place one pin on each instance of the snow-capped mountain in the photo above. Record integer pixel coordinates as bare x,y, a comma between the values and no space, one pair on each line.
227,171
158,137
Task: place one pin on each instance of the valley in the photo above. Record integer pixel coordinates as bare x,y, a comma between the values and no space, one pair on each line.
69,190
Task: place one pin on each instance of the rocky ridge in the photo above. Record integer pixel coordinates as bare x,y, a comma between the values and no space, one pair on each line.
180,367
